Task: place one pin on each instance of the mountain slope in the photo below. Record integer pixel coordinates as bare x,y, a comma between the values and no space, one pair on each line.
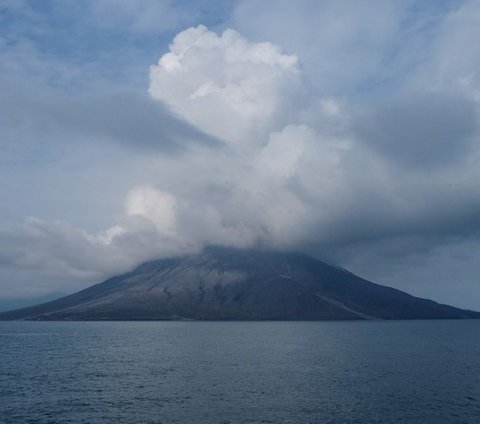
233,284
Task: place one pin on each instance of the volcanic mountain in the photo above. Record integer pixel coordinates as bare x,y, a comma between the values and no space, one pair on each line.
238,284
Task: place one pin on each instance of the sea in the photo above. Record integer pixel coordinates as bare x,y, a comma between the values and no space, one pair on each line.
240,372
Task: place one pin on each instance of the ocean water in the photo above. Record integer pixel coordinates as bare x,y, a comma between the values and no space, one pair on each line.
240,372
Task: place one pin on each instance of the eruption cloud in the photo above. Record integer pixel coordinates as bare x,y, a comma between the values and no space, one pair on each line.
291,168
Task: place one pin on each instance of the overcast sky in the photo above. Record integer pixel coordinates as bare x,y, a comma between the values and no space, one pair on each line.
132,130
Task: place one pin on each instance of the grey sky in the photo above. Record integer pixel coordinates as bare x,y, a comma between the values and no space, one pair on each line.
346,129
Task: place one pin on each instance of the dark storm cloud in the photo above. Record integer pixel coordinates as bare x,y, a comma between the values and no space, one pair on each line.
421,130
134,120
129,118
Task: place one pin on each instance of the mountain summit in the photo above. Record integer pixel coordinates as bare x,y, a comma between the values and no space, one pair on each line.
238,284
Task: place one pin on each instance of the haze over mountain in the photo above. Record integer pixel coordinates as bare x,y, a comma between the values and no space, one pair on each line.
17,303
236,284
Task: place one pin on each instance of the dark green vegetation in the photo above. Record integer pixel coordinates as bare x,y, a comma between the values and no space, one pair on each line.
238,284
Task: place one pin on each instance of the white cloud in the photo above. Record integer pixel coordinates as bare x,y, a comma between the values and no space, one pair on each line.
224,85
154,205
60,251
280,158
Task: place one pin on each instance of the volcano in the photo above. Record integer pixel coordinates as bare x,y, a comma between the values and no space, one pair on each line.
238,284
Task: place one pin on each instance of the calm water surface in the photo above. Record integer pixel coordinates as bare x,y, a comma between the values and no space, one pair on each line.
240,372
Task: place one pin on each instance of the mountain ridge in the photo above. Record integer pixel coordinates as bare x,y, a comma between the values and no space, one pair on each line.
238,284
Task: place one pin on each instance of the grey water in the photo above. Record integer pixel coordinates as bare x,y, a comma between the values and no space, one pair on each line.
240,372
